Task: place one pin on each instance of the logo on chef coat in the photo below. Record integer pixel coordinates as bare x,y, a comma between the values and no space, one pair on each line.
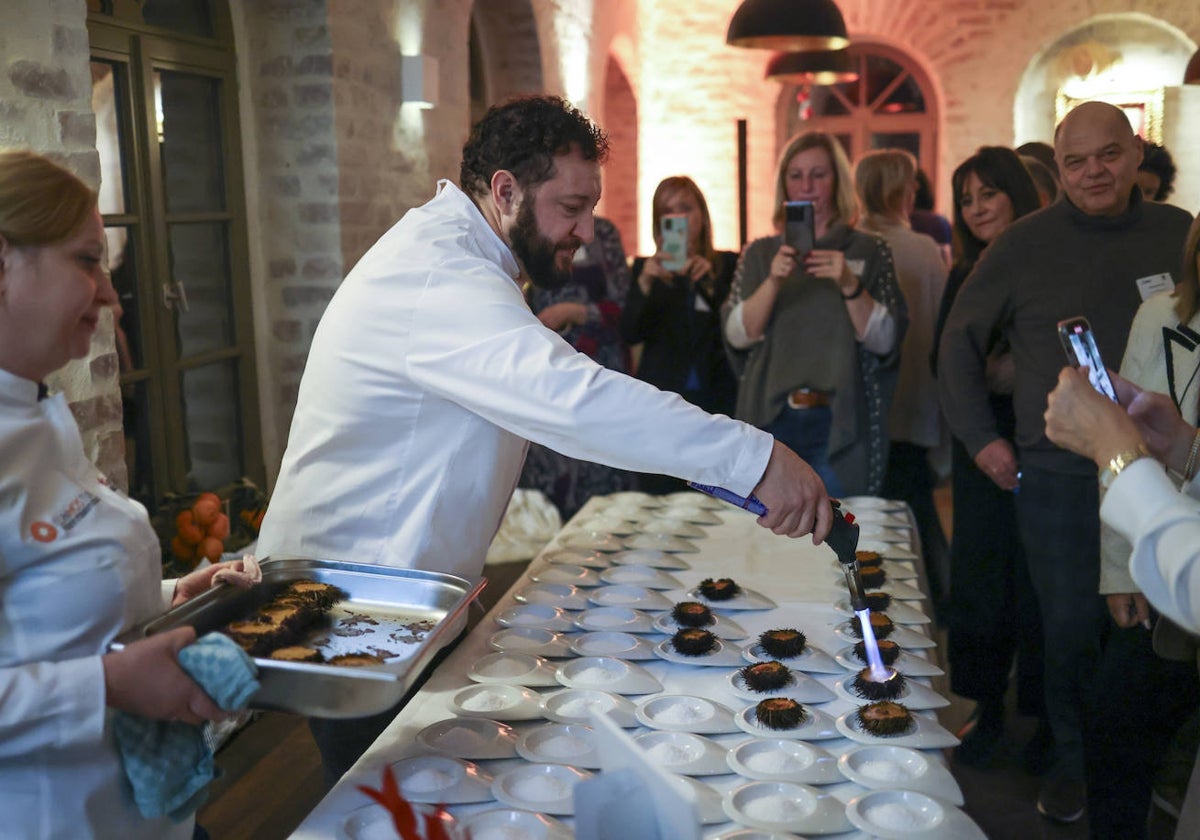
77,509
43,532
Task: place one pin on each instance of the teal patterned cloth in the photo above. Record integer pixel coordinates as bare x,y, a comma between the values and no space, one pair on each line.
168,763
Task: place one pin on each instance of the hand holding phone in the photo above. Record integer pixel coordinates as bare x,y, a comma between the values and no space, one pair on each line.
799,229
674,235
1080,346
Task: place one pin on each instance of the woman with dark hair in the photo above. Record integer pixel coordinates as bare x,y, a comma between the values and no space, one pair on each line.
1156,174
817,335
993,615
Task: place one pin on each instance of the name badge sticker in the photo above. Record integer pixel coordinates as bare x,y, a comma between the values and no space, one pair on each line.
1150,286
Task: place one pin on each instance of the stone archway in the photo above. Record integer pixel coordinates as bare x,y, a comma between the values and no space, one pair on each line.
506,55
621,172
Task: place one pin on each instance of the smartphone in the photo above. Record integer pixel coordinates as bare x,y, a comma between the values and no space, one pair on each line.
674,233
799,228
1080,346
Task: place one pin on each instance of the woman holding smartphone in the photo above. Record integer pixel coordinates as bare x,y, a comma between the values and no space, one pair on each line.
816,335
993,614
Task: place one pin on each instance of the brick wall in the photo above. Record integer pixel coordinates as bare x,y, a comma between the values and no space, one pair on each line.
45,104
620,120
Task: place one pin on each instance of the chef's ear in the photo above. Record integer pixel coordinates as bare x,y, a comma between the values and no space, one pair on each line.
505,191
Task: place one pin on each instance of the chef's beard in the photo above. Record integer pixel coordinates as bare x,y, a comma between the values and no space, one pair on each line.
536,252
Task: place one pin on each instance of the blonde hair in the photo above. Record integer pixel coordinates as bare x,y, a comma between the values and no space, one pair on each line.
845,204
41,203
882,179
682,183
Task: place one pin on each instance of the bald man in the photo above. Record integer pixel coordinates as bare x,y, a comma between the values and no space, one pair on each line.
1091,254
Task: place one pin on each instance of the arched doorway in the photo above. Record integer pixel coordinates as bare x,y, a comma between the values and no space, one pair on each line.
620,200
505,55
890,106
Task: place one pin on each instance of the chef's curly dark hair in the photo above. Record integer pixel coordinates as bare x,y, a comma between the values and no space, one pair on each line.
523,136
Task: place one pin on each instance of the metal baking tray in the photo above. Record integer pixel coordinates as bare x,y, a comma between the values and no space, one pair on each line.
407,612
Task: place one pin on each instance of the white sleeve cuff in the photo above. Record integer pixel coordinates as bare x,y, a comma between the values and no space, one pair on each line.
735,330
880,335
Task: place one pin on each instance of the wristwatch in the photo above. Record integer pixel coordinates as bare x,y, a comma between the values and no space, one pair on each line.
1119,462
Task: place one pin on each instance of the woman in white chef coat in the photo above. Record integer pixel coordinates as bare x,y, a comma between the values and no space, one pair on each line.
78,560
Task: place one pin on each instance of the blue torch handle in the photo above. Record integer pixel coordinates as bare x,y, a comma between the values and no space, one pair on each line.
751,504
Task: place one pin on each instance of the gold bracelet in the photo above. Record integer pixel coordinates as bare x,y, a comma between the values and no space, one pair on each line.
1189,468
1118,464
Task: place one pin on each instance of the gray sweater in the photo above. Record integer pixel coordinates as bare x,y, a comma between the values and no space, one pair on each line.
1055,264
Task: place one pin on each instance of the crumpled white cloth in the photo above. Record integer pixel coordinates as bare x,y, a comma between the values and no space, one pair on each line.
249,575
529,523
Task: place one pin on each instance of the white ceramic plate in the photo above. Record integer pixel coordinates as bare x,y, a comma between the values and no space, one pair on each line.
882,517
640,575
537,615
747,599
510,668
636,497
374,822
906,663
616,619
724,654
755,834
470,737
562,595
533,640
547,788
898,589
708,800
812,659
802,688
692,513
817,726
650,557
902,636
607,674
786,806
885,533
578,557
724,628
898,611
575,705
894,569
662,542
899,768
784,760
901,814
684,752
890,551
927,735
566,573
685,713
850,503
610,522
514,824
560,743
672,527
914,695
498,702
618,644
593,540
628,595
440,779
692,498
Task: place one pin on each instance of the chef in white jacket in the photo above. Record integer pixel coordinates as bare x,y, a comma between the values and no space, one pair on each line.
78,560
428,373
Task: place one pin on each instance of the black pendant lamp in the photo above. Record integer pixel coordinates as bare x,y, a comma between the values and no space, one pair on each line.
790,25
827,67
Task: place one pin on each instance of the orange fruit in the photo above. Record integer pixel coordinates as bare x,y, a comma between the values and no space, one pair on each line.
187,529
220,528
183,550
212,548
205,509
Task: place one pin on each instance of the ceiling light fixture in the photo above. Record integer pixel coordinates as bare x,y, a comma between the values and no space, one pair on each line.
791,25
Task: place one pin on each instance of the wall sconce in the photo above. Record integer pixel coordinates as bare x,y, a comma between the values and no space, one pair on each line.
419,80
791,25
827,67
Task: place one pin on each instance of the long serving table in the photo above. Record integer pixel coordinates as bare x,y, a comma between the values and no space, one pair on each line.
895,790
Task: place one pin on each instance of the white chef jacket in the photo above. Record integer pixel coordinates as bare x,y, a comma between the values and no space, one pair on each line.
427,375
78,563
1163,524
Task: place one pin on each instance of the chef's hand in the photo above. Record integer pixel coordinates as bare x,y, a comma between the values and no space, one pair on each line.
1129,609
145,679
998,462
242,573
560,315
795,496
